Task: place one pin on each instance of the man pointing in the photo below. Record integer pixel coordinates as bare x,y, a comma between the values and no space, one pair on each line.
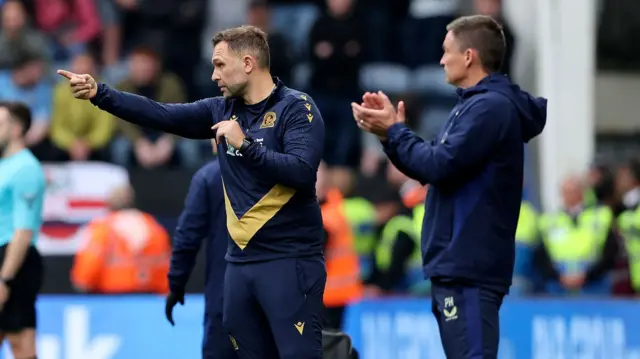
270,140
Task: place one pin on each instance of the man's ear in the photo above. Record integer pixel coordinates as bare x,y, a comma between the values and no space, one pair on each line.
249,63
468,57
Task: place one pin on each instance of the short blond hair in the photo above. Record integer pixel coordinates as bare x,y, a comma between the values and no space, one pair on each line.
246,39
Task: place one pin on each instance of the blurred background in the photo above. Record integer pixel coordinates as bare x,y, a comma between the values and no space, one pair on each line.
578,258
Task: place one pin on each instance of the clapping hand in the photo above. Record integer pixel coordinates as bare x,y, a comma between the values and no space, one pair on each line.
376,113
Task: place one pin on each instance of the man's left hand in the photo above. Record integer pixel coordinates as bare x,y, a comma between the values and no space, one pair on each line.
231,132
172,299
378,119
4,295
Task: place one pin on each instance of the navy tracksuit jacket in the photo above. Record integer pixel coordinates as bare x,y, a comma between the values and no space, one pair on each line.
203,218
275,280
475,168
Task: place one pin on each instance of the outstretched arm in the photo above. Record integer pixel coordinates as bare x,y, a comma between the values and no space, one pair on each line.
192,120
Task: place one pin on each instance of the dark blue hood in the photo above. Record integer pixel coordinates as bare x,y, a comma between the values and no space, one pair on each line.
532,110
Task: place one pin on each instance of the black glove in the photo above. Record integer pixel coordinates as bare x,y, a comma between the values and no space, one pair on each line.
172,299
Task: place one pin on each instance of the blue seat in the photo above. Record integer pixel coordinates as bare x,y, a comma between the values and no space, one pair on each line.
431,81
393,79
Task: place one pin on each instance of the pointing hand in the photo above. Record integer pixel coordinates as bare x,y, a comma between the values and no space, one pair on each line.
83,87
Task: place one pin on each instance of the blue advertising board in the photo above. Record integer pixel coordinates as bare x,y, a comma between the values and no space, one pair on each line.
530,329
116,327
132,327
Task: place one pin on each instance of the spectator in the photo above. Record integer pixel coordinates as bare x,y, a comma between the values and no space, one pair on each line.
172,28
344,284
493,8
426,25
601,181
152,148
127,251
623,189
27,82
79,131
281,64
336,41
628,184
293,18
111,34
398,255
17,39
579,247
71,24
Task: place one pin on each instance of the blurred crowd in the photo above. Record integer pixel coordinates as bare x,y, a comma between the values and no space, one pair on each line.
161,49
333,50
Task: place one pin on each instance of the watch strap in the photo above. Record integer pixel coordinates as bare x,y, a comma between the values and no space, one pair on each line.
245,144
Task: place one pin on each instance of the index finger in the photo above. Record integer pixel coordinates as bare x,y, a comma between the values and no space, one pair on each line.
64,73
365,110
215,127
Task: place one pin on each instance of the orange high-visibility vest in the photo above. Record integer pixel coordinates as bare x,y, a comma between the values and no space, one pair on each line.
126,252
344,285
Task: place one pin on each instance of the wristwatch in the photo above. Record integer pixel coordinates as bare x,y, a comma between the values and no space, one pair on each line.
248,141
8,282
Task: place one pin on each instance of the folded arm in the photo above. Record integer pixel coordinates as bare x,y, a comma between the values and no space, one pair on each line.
190,120
469,141
303,143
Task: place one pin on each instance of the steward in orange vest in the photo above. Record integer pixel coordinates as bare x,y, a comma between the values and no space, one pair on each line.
343,268
126,251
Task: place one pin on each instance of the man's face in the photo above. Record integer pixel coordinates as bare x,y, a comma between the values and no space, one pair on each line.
13,16
230,70
624,180
487,7
28,74
339,7
83,64
455,60
571,193
143,69
258,16
7,128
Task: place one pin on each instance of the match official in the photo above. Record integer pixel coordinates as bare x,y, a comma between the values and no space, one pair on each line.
203,218
270,139
475,169
22,189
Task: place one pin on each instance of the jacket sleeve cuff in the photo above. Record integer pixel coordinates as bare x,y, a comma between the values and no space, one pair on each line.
102,89
176,285
392,134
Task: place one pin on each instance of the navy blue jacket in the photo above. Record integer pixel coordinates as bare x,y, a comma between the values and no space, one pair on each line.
270,199
475,168
203,218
